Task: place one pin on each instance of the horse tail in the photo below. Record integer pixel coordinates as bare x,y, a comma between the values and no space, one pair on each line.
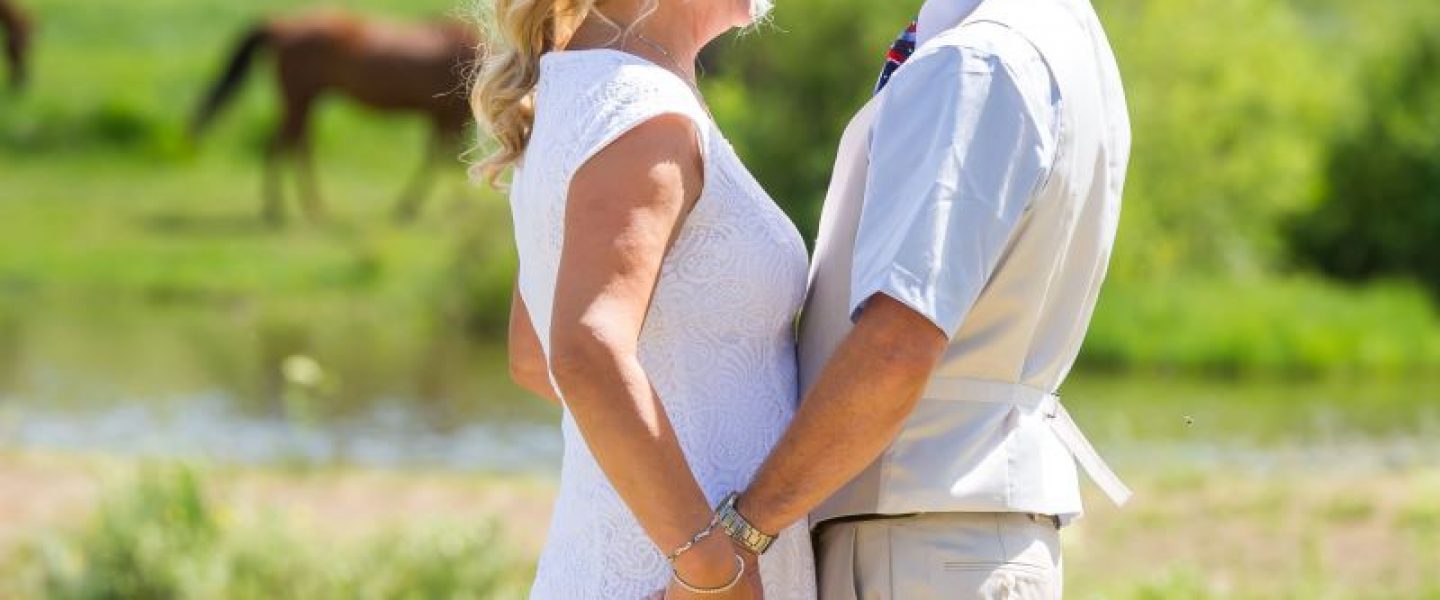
244,56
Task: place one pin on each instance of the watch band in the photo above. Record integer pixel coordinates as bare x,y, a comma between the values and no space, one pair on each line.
734,525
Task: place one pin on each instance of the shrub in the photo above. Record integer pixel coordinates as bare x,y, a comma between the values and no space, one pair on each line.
164,537
1381,213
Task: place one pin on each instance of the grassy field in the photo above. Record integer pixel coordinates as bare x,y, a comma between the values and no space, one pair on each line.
96,526
102,196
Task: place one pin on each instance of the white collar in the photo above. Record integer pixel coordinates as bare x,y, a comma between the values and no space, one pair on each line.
937,16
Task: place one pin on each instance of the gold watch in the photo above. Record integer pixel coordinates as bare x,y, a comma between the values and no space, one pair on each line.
734,525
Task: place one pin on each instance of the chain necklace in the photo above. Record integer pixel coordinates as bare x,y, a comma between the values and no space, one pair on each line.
680,71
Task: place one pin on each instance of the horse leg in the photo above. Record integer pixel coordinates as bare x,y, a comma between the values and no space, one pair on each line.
15,55
300,87
309,190
273,207
291,144
411,201
296,133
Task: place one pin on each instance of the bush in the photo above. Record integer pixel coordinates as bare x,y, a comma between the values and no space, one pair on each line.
1300,326
1381,213
164,537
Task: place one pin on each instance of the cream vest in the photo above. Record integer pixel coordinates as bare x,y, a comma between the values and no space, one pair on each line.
989,434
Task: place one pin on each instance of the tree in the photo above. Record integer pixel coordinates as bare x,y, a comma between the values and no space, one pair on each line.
1381,212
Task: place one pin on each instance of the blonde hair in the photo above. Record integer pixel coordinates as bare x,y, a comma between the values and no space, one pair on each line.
503,99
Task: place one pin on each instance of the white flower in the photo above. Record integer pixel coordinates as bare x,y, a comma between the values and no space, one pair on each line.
302,370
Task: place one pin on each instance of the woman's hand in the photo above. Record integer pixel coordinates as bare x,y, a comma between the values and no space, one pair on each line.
714,560
528,367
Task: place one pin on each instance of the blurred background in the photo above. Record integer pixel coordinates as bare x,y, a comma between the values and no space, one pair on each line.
202,396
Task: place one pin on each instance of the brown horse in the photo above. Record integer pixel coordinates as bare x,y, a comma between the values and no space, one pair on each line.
387,66
17,41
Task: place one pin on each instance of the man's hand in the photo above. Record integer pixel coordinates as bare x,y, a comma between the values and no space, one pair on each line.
863,397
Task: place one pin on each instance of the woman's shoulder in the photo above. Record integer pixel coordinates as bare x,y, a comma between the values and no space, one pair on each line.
586,99
610,84
603,67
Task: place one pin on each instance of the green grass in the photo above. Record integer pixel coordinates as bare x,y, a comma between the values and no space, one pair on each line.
163,536
168,531
101,196
1286,325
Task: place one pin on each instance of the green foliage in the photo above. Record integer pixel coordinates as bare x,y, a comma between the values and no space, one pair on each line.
474,290
1298,325
784,92
165,537
1381,213
1230,105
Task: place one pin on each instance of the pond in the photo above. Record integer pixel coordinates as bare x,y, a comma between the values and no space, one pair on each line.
363,389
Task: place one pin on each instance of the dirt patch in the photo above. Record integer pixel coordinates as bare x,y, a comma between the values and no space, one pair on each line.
38,492
43,493
1266,534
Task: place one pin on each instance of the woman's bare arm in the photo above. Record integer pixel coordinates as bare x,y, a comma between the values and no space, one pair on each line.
528,367
625,207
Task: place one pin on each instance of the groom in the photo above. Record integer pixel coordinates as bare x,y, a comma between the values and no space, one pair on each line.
964,239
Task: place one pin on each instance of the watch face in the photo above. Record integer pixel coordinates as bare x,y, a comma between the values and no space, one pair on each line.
741,531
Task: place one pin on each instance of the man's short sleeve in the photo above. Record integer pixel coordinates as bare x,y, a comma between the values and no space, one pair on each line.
956,153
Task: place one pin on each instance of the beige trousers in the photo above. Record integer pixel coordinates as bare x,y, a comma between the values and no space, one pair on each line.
954,556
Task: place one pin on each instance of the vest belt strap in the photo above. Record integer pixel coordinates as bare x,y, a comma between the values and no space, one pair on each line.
1048,404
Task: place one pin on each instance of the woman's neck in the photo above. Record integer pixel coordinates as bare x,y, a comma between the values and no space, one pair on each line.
663,37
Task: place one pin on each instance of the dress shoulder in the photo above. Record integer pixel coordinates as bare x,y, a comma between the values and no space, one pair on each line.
587,99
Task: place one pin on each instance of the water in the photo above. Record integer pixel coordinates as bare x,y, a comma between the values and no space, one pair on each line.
364,391
355,388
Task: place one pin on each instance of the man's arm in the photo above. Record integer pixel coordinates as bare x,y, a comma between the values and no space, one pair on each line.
955,156
865,393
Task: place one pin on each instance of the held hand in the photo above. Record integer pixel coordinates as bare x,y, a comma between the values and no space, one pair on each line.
748,588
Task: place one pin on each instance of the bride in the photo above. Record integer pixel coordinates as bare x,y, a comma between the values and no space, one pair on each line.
657,291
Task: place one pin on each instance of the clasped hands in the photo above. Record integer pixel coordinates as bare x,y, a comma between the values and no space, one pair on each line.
711,564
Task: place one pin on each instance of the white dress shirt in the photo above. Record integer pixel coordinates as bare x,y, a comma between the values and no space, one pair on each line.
959,146
981,188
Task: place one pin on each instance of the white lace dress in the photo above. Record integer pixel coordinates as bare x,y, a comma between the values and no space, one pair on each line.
718,342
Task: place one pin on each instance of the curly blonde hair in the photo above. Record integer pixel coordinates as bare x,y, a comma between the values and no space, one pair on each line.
503,99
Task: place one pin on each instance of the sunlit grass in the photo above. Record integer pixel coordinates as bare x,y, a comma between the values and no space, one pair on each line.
1251,533
102,195
166,535
1238,533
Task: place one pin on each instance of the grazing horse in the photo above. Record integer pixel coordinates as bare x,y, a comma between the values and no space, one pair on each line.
17,41
419,68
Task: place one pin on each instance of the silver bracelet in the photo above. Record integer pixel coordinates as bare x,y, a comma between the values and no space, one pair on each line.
694,539
739,574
